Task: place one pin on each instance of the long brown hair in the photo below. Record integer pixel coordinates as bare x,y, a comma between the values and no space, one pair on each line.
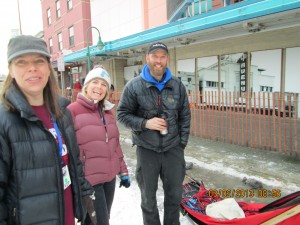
50,93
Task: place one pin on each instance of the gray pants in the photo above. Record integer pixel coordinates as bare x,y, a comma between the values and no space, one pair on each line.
104,196
170,167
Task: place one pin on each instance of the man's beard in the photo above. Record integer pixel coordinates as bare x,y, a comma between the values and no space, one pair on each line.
157,72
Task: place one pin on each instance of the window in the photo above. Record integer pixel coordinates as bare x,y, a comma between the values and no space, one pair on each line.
212,84
50,45
200,84
266,88
71,36
48,16
292,70
57,9
70,4
60,44
266,67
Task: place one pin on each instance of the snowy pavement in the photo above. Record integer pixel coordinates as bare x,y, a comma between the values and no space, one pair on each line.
219,166
126,208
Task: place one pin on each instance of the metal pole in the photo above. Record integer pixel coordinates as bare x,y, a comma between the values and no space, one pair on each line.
89,58
20,25
62,79
88,47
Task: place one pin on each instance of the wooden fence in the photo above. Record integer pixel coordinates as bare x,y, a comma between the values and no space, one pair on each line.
268,121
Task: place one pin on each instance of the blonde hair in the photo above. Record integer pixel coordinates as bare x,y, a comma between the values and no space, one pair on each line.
101,103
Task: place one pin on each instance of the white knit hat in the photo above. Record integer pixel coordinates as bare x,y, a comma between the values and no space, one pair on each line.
98,73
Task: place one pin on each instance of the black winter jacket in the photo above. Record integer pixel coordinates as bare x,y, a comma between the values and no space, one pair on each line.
141,101
31,186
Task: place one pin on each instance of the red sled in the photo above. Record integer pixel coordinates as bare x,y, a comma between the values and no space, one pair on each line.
283,211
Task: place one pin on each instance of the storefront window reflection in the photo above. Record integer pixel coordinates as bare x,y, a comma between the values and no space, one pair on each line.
292,70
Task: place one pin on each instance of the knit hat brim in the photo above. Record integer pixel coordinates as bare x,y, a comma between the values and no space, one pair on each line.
98,73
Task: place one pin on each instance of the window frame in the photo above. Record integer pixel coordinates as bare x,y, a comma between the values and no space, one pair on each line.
51,45
57,4
71,36
59,39
69,4
49,16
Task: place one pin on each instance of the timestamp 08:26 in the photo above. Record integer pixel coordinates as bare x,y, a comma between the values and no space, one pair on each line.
244,193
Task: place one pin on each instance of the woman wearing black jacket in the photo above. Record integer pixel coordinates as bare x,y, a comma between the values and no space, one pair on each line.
41,178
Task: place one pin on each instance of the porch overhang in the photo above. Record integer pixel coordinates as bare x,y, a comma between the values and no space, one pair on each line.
197,25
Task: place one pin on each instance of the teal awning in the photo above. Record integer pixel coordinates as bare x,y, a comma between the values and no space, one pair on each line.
233,13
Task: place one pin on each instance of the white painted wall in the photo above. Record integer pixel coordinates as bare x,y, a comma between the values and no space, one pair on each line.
116,18
131,72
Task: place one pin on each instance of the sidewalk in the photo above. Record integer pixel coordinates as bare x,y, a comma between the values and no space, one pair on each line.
222,166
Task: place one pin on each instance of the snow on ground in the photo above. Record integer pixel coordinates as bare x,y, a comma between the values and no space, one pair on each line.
126,208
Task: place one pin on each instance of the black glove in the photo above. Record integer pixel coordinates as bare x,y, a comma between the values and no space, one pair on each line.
125,181
89,204
182,145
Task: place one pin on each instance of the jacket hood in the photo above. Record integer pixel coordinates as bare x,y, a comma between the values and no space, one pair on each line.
145,74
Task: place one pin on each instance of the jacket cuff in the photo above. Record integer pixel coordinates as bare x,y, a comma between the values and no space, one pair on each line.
123,174
182,146
144,124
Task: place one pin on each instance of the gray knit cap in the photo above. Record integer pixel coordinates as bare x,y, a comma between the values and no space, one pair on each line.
26,44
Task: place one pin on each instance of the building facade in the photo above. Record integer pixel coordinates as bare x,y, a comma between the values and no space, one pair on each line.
236,58
65,23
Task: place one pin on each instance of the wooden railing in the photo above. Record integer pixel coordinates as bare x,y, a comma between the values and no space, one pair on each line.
260,120
268,121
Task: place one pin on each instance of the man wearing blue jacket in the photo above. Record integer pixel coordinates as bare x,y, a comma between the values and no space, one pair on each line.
155,106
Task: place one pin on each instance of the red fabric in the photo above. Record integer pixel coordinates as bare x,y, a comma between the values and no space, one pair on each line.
77,86
43,114
195,206
249,220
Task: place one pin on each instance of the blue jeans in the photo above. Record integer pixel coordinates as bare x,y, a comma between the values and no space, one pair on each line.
104,196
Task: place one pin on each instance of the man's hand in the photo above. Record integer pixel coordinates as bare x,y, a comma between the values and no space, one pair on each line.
156,123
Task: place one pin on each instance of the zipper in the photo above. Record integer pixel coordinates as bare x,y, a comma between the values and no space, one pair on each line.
61,133
104,123
159,112
14,214
159,100
83,161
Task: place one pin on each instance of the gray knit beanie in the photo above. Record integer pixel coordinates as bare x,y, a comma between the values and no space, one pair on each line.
25,44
